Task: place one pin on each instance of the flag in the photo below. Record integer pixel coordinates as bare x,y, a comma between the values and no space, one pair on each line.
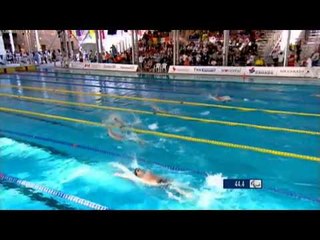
78,33
91,33
102,34
74,33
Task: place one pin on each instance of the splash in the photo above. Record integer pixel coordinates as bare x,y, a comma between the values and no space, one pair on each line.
153,126
205,113
134,163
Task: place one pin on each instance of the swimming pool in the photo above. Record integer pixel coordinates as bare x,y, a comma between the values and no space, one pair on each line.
195,141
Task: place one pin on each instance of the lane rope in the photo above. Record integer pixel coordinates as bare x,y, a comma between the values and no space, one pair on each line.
165,166
104,86
161,114
106,80
69,197
173,136
186,103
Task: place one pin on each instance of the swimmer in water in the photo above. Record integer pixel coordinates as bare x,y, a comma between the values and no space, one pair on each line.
117,130
156,109
220,98
116,121
316,95
150,179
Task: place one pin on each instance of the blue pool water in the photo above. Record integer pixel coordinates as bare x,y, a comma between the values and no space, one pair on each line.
85,163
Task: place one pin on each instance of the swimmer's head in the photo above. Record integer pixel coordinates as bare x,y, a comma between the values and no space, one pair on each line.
138,172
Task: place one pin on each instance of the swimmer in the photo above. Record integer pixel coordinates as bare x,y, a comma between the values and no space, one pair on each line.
115,135
116,121
122,136
118,131
156,109
220,98
316,95
150,179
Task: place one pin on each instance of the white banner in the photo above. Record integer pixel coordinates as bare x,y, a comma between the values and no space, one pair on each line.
105,66
206,70
248,71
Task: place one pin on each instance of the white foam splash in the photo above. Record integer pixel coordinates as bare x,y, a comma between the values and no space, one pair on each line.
212,190
205,113
215,181
134,163
153,126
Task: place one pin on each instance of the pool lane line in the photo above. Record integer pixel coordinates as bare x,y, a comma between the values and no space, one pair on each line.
166,115
35,186
103,86
173,136
159,84
165,166
185,103
105,80
137,83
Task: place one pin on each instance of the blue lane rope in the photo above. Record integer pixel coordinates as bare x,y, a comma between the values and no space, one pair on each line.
173,168
69,197
101,86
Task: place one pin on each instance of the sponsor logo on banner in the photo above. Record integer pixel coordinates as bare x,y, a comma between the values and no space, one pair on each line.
231,70
252,70
197,69
180,69
102,66
127,67
257,71
108,66
292,70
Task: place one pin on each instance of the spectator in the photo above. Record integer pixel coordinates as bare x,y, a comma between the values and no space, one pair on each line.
298,50
54,57
250,61
280,59
315,58
291,59
141,59
309,62
275,58
260,61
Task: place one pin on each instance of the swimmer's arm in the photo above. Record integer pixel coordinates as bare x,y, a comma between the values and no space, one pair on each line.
181,191
123,175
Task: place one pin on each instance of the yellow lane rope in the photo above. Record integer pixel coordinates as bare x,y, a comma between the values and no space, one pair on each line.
168,135
187,118
197,104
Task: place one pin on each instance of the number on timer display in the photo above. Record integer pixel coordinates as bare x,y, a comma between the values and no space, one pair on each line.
239,184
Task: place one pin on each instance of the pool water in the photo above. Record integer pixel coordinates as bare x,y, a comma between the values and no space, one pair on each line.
81,160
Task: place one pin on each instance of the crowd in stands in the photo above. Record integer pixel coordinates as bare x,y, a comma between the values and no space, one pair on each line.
105,57
205,48
294,56
37,57
201,48
155,50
